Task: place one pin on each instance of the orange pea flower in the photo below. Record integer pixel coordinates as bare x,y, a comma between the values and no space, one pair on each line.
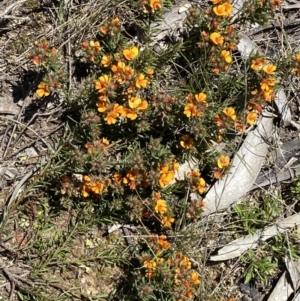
216,38
155,4
161,207
223,161
95,46
257,64
223,10
201,185
131,53
191,110
266,83
111,117
167,221
201,97
102,106
43,90
195,278
269,69
134,102
251,118
186,142
226,56
97,187
103,82
166,178
141,82
106,60
230,113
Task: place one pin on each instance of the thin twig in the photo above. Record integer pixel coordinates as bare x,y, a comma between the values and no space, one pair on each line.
33,131
10,8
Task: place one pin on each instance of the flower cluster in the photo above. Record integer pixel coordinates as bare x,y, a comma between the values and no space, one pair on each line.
90,186
196,105
228,119
197,182
180,275
111,27
129,178
151,6
266,73
167,173
42,52
185,279
120,88
98,146
219,37
46,57
161,209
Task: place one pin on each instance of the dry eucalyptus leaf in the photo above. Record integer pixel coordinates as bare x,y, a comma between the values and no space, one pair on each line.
246,166
282,290
237,247
293,268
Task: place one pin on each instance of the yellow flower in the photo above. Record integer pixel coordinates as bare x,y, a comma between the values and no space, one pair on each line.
201,185
104,29
226,56
195,278
150,71
103,82
297,57
186,142
141,82
102,106
97,187
268,95
223,161
84,192
116,22
201,97
129,72
162,241
131,53
150,264
95,46
143,105
185,263
111,117
106,60
223,10
43,90
251,118
257,64
269,69
216,38
230,113
119,68
132,115
119,110
104,142
134,102
266,83
215,1
161,206
167,221
191,110
166,178
155,4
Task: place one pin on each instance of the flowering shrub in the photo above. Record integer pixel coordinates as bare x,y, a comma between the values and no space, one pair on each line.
137,134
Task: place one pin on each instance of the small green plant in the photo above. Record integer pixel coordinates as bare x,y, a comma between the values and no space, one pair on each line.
259,268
